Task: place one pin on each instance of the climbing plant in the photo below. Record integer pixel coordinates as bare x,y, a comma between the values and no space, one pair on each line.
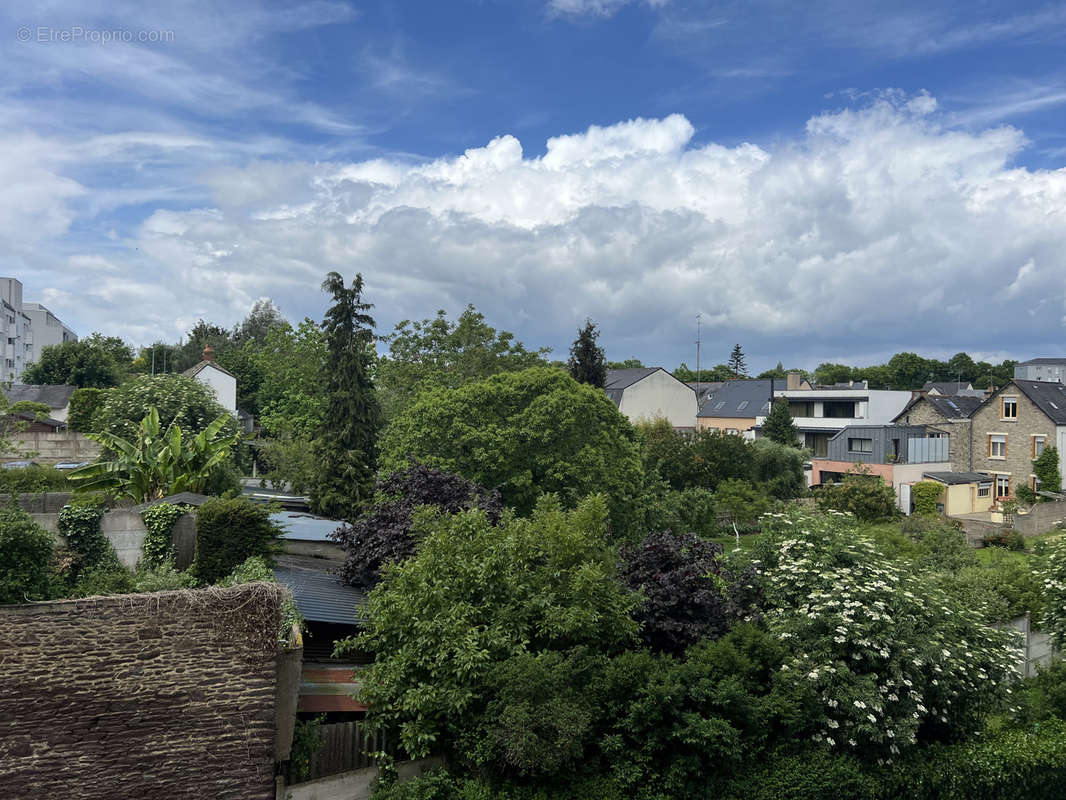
159,521
925,494
79,524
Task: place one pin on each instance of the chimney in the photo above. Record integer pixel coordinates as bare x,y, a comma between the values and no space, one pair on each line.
209,353
793,381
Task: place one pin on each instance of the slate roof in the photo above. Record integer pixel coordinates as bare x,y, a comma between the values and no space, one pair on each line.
195,370
707,388
958,407
57,396
1048,396
322,597
946,388
1036,362
956,478
739,400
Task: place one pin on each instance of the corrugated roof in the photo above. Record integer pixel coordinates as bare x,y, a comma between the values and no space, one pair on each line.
305,527
322,597
738,399
956,478
54,396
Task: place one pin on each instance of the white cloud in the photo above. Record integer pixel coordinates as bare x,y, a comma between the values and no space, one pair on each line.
596,8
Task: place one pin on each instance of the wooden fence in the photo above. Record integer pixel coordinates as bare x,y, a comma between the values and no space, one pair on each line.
345,746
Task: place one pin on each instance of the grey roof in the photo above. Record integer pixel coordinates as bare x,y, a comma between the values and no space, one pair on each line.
1048,396
947,388
955,478
194,370
54,396
738,399
322,597
706,388
180,499
621,378
302,527
1034,362
959,407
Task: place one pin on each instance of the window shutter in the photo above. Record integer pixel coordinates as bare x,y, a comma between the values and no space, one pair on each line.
1005,446
988,445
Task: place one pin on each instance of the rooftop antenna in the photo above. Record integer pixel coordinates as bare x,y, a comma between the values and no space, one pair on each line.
697,363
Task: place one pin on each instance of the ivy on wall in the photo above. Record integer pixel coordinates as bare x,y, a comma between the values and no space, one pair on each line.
159,520
925,494
79,524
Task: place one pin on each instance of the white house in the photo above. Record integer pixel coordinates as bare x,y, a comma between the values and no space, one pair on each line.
645,393
211,374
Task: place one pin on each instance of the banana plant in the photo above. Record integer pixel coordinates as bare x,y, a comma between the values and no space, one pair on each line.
156,463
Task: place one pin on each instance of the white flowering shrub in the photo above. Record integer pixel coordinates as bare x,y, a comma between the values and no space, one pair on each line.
1052,575
893,660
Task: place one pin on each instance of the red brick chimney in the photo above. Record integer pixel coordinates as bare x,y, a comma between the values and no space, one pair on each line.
209,353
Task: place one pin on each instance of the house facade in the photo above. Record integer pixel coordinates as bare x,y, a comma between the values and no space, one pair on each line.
1041,369
48,330
819,414
1012,427
648,393
952,414
220,380
736,407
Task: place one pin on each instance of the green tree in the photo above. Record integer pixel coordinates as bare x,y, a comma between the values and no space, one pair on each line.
738,366
98,361
346,446
525,433
743,501
1046,469
719,373
586,363
262,320
778,469
778,426
629,363
476,595
177,398
229,532
827,374
439,353
191,352
25,556
910,371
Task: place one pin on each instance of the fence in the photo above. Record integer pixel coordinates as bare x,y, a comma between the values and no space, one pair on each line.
345,747
1037,649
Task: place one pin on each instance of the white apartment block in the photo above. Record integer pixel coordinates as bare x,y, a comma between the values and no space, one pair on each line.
25,328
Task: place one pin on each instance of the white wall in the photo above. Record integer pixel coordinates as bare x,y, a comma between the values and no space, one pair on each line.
225,386
660,395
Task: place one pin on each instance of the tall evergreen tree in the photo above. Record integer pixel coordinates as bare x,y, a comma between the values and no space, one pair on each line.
346,446
778,425
587,364
737,364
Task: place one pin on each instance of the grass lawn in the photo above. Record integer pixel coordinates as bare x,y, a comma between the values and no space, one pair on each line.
730,542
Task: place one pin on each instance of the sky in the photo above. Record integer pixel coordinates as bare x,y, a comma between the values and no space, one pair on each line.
819,181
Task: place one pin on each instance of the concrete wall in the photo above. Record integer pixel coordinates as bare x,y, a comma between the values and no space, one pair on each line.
1041,518
660,395
168,695
53,448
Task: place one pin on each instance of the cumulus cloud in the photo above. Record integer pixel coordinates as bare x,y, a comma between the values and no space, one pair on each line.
876,229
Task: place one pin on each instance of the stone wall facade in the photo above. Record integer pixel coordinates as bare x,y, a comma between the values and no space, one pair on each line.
961,437
167,695
1030,421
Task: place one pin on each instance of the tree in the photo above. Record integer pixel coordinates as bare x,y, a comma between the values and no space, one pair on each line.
158,462
778,426
586,363
346,445
383,534
1046,469
191,352
25,556
827,374
629,363
778,469
90,362
719,373
477,594
178,399
264,318
866,496
910,371
229,531
737,364
441,353
525,433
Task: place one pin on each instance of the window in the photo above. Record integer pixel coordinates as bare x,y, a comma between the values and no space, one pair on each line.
801,409
719,405
984,489
997,445
860,445
733,431
1002,486
743,405
839,409
1039,443
1034,483
1008,408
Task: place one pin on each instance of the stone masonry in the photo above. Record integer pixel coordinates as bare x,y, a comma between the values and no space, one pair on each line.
958,430
167,695
1030,420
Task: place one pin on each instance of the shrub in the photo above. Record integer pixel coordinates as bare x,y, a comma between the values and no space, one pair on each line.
778,469
938,545
163,578
85,404
866,496
1000,591
742,500
808,775
1007,538
1051,570
159,521
104,580
1043,697
32,480
79,524
307,739
925,494
255,569
178,398
229,531
25,554
686,511
383,534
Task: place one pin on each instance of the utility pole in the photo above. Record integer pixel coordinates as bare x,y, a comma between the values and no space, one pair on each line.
697,363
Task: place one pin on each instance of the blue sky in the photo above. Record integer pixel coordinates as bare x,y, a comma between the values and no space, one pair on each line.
819,181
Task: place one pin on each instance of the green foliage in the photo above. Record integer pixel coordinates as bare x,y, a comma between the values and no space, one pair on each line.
1007,538
925,495
1051,570
893,660
85,404
911,371
103,581
686,511
778,469
440,354
937,545
292,395
178,399
163,578
158,462
79,524
476,595
720,372
738,365
159,522
811,774
259,568
778,425
307,739
586,364
525,433
629,363
94,362
742,500
1043,697
25,555
1046,469
229,531
866,496
346,443
33,479
1025,495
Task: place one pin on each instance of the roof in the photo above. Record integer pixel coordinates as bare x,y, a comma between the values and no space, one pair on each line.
196,369
706,388
25,416
742,399
1034,362
180,499
621,378
322,597
947,388
305,527
1048,396
958,407
956,478
54,396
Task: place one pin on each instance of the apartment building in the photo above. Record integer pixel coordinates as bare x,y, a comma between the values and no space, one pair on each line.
25,328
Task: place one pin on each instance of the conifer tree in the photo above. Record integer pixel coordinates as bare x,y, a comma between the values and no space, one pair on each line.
587,364
778,425
737,364
346,446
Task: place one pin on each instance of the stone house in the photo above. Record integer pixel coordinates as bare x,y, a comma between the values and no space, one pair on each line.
1012,427
951,414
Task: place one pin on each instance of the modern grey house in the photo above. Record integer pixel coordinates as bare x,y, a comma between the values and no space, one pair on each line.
1041,369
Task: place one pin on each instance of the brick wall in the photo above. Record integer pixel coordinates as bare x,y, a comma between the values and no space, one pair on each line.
1019,461
168,695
